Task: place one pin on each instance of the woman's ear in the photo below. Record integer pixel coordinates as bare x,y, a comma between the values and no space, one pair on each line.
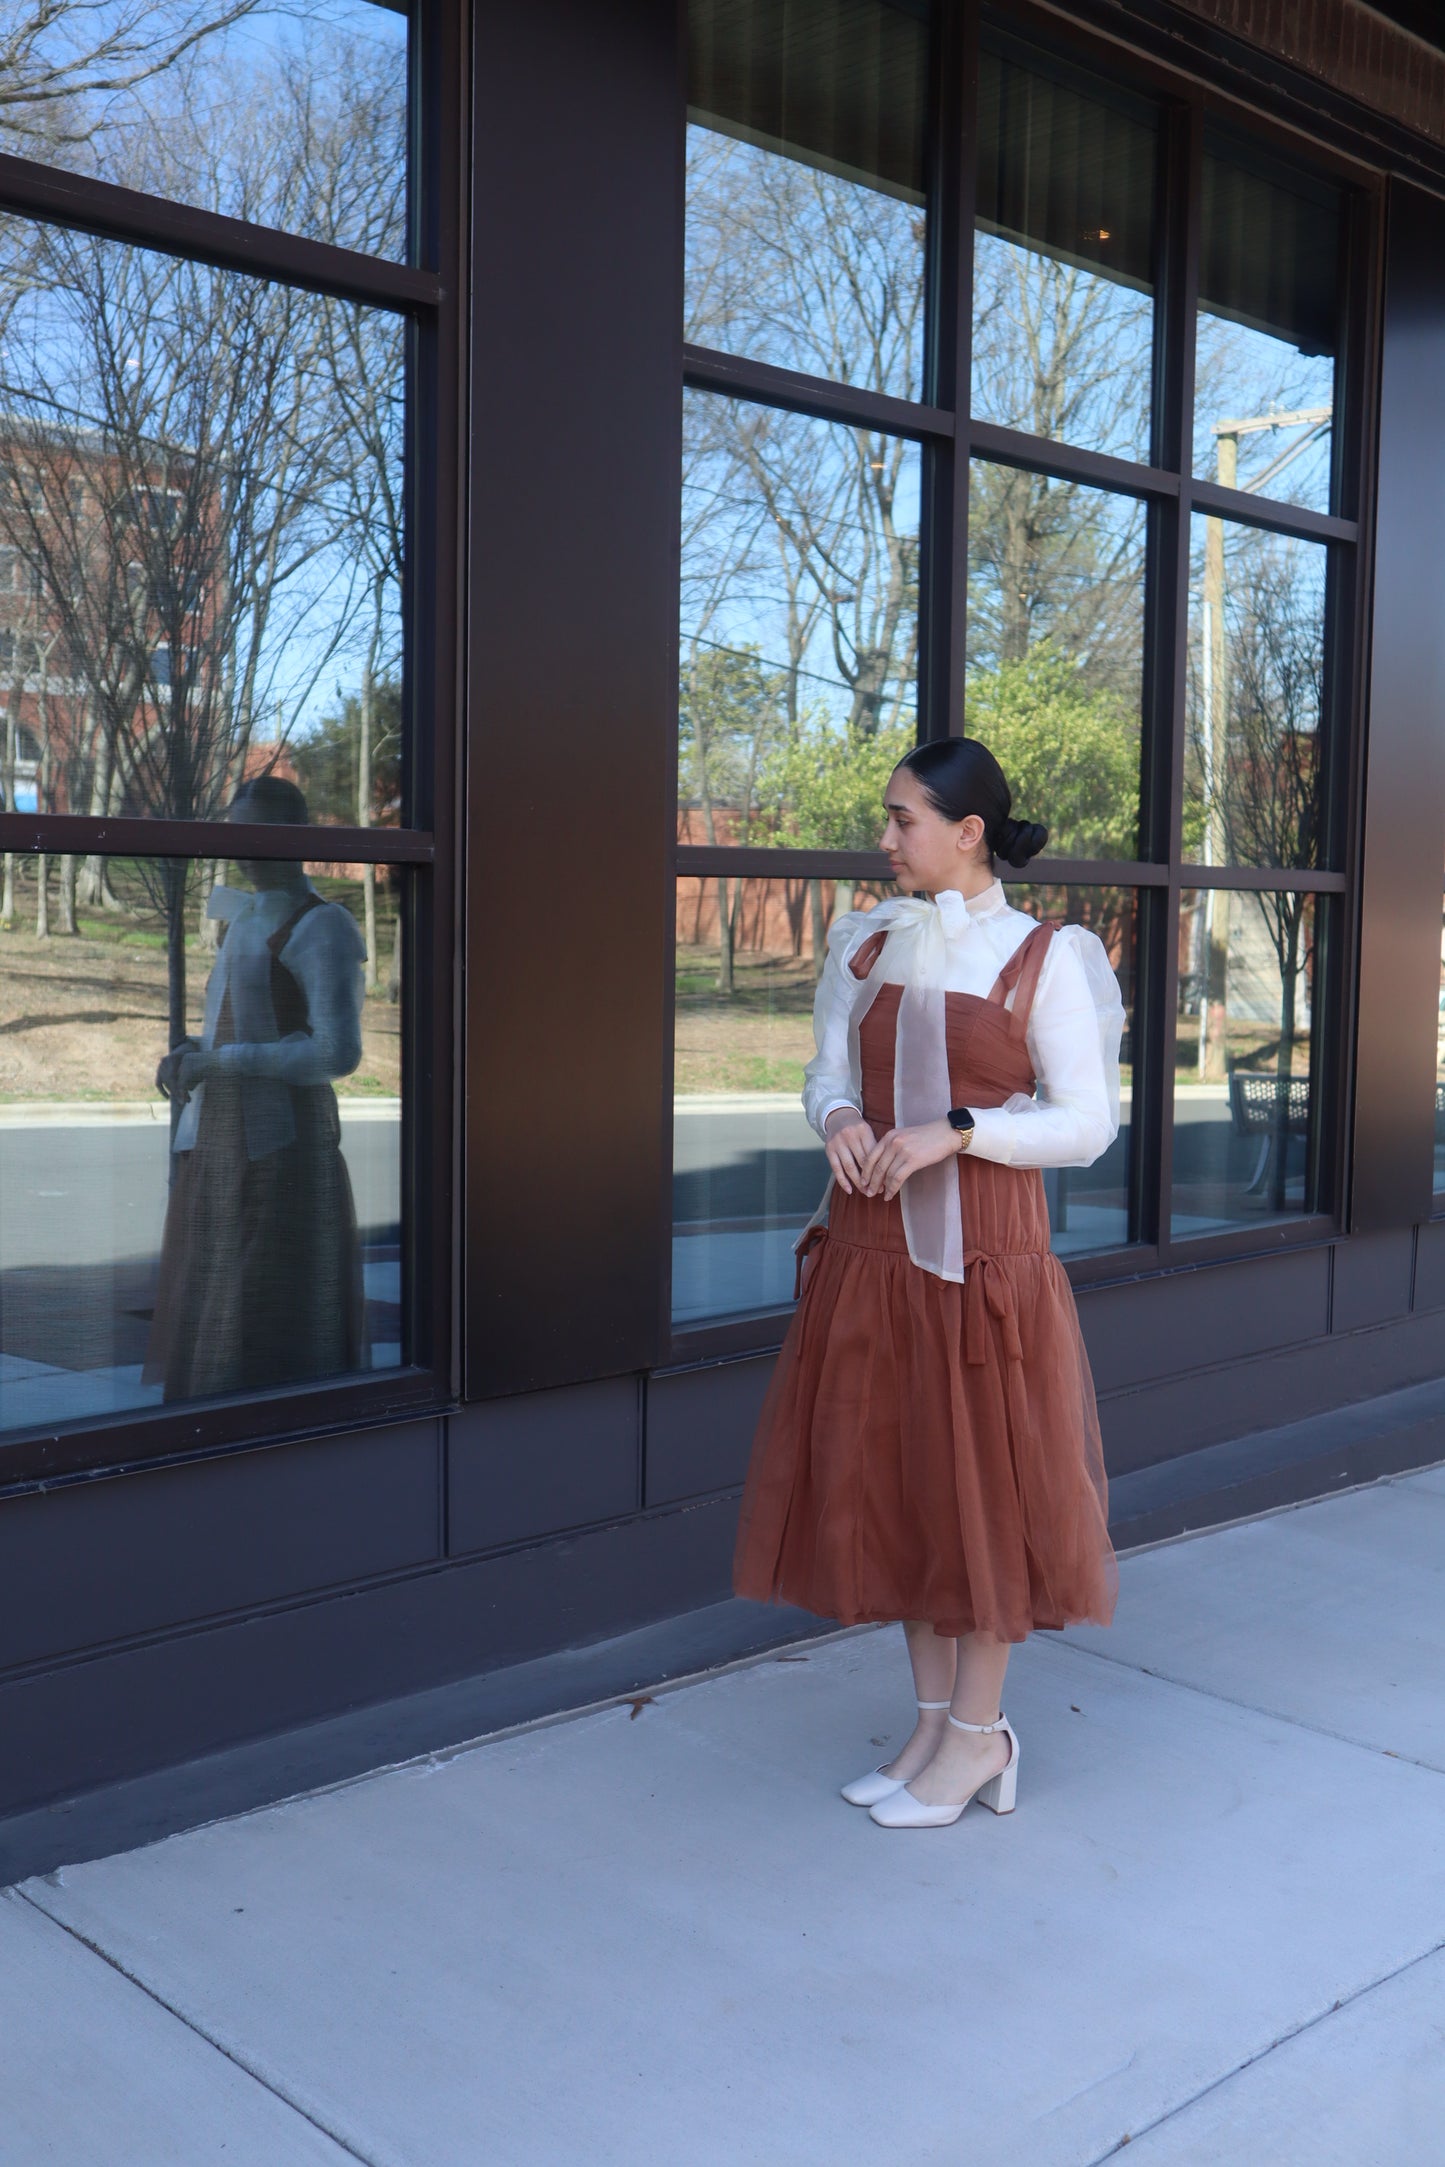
970,834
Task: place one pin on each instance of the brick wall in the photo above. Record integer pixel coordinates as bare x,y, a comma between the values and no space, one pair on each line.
1348,46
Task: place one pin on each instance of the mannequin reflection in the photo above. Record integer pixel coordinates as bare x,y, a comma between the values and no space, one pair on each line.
260,1276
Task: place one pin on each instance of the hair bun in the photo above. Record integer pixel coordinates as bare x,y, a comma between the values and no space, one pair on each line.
1019,840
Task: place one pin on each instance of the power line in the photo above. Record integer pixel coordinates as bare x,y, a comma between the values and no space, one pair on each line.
784,669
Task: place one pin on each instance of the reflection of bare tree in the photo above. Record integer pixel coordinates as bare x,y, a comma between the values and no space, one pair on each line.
1060,349
59,59
173,485
799,267
1260,788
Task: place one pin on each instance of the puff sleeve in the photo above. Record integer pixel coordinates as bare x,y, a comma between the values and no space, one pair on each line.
1074,1033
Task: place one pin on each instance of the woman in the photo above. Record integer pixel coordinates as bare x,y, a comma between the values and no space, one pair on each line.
929,1450
260,1275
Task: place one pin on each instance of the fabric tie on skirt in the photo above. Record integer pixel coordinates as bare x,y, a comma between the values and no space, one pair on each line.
989,1292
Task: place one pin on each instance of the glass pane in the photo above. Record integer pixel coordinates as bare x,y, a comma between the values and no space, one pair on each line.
799,638
201,535
247,1236
1056,652
1264,389
1089,1206
1244,1085
805,186
1440,1076
1256,753
290,113
748,1172
1063,306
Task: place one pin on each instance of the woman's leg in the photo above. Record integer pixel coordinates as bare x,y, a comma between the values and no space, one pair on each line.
965,1759
933,1657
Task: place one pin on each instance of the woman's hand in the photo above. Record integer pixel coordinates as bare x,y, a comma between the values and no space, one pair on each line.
168,1073
182,1069
850,1143
903,1152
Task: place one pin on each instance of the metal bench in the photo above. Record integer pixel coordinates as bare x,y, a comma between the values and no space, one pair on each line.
1273,1108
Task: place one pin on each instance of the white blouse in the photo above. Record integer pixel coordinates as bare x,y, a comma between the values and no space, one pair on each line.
1073,1035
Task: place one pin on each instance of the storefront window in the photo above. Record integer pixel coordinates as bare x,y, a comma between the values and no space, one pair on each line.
805,187
201,512
1256,779
748,1171
1264,387
291,114
1245,1084
212,558
200,1130
1063,307
1142,607
1056,594
798,659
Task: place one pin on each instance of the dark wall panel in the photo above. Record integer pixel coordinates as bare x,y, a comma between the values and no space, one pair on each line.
106,1560
112,1716
1404,838
1181,1414
1218,1313
1372,1279
1430,1266
700,1425
577,436
542,1461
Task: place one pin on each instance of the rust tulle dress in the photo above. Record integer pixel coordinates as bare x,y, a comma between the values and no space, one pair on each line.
930,1450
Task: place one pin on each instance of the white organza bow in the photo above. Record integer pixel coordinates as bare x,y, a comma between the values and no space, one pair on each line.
932,1218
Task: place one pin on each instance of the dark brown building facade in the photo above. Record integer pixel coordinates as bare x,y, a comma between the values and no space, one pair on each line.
598,441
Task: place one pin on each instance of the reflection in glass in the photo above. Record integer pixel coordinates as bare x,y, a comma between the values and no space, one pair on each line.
799,632
805,186
289,113
1264,389
1089,1207
748,1171
1440,1076
1254,784
201,522
1244,1089
1063,262
1056,651
150,1250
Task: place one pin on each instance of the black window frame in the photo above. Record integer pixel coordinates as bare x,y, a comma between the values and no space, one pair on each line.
424,290
1188,109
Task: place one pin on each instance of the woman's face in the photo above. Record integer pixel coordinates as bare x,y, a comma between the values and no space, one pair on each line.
262,872
926,851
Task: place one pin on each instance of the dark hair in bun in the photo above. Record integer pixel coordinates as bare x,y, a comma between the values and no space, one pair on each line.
959,777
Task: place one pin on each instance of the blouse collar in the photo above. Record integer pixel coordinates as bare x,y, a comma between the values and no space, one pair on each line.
985,904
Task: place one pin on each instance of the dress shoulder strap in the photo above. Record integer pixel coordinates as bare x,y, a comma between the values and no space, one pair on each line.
283,933
1020,975
862,961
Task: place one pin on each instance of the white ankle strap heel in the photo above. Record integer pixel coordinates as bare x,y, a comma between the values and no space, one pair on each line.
900,1809
867,1790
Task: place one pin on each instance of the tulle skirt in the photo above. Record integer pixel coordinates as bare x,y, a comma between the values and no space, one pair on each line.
929,1450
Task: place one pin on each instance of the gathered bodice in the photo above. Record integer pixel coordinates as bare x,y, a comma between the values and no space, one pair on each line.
988,1056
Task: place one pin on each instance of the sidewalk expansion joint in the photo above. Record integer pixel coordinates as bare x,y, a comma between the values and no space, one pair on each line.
1296,2031
237,2061
1256,1708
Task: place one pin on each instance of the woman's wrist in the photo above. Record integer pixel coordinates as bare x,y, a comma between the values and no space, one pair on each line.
842,1116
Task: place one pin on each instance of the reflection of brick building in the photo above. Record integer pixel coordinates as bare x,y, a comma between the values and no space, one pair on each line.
775,917
108,588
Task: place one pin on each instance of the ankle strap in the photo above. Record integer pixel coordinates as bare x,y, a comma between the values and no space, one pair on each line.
933,1704
1001,1725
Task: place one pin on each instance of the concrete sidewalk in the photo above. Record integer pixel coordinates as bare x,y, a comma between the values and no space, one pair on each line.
1214,1930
